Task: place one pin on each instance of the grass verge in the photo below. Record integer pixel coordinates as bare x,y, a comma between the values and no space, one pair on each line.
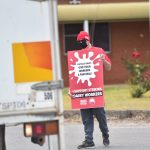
117,97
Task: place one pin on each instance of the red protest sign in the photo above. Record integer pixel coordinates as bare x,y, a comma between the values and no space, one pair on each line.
86,78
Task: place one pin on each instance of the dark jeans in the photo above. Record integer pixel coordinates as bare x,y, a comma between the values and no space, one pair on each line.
88,122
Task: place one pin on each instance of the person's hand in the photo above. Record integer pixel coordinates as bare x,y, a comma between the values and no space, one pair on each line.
102,57
106,63
69,93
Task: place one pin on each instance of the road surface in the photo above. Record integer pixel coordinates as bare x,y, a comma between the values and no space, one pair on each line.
122,137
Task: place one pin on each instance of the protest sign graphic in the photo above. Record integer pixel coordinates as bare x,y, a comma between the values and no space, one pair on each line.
86,78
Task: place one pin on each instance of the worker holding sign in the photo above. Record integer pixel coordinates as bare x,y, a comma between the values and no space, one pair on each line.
86,87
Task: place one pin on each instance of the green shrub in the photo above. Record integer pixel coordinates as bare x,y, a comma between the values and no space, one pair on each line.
139,80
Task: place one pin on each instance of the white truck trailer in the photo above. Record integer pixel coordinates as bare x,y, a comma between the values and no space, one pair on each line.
30,72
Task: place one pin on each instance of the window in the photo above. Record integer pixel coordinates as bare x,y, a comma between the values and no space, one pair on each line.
74,1
70,35
99,33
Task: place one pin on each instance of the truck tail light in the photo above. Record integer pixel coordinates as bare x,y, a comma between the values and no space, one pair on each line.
40,128
28,130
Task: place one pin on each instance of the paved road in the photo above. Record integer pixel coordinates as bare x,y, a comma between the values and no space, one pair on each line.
122,137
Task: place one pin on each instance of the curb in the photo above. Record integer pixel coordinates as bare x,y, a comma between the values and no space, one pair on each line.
112,114
123,114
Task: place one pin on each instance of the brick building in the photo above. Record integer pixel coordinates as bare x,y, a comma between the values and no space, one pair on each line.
118,26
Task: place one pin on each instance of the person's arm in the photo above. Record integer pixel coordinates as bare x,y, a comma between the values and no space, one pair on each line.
69,93
106,60
107,65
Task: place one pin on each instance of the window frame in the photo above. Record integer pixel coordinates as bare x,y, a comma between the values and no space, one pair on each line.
109,35
64,42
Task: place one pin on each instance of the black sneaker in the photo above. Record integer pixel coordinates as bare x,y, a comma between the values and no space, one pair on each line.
106,141
88,145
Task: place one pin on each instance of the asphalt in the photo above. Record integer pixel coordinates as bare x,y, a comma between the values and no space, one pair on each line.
123,136
129,130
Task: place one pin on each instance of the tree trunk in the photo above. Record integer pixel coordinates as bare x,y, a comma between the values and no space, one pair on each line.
2,137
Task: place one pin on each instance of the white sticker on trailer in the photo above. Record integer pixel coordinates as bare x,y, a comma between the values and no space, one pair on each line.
45,96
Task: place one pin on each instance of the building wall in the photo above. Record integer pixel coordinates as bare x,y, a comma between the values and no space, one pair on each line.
125,37
101,1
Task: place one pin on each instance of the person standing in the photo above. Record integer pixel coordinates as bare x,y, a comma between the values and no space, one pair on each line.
87,115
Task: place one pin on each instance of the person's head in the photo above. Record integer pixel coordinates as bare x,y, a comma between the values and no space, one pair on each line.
83,39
